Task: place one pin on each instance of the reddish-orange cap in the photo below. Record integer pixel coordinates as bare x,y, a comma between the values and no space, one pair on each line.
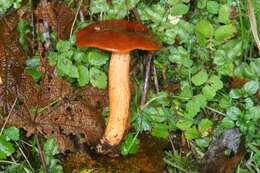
117,36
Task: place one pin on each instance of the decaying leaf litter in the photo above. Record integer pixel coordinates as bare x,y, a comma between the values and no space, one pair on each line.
51,107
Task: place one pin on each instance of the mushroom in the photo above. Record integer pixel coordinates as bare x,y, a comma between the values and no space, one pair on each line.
120,37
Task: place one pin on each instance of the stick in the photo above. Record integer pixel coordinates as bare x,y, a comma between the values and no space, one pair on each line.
252,19
146,79
42,157
76,15
156,84
8,116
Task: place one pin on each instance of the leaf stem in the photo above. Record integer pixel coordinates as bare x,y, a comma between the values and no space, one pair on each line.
214,110
8,116
76,15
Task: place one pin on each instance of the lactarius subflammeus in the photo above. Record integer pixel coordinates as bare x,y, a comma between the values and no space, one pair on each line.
120,37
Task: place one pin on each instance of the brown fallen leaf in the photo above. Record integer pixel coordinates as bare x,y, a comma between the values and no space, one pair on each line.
12,60
59,16
238,82
53,110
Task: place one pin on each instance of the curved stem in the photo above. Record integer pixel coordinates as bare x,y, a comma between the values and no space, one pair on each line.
119,98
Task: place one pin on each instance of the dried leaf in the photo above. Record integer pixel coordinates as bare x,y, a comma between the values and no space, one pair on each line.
58,15
54,111
96,97
12,60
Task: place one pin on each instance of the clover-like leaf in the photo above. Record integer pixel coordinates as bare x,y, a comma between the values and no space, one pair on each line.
98,78
200,78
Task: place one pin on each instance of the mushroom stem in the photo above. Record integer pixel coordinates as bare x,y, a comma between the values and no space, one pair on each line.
119,98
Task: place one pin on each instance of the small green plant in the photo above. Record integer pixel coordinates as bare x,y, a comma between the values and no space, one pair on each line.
23,29
50,149
32,65
80,66
6,4
7,139
130,144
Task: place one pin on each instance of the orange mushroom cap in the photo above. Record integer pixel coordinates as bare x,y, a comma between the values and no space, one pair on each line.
117,36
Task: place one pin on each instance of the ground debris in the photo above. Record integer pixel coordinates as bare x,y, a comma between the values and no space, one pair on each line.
53,110
149,159
12,60
216,161
58,15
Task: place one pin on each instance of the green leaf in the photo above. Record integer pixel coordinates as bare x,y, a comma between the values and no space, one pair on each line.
154,13
53,58
80,57
249,103
236,93
216,82
6,148
193,106
160,130
156,114
227,123
12,133
184,124
213,7
23,28
233,112
254,113
179,9
204,142
201,100
204,126
130,144
186,92
33,61
83,75
180,56
97,57
63,46
98,6
209,92
119,8
34,72
201,4
251,87
73,71
66,67
204,28
224,13
225,32
191,133
98,78
200,78
50,147
225,102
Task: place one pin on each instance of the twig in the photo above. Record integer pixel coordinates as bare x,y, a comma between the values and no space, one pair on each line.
214,110
146,79
26,159
156,84
252,20
76,15
81,16
8,116
42,157
9,162
47,36
172,145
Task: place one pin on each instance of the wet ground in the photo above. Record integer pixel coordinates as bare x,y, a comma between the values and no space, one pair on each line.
149,159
